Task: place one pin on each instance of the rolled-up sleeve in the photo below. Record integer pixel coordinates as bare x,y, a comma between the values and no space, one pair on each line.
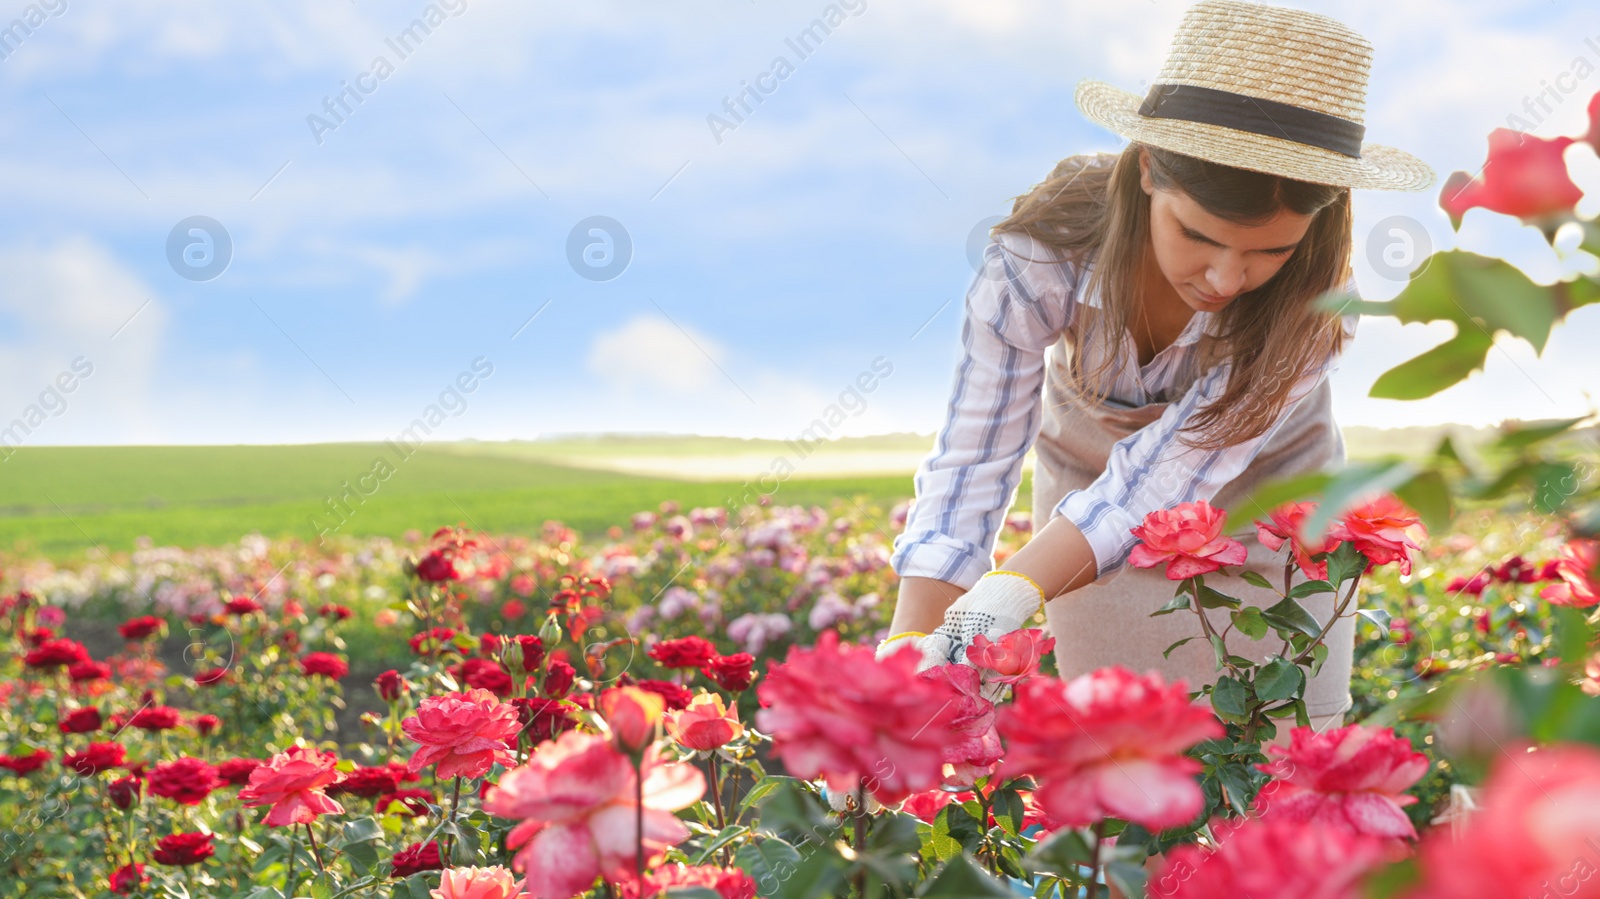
1018,304
1149,469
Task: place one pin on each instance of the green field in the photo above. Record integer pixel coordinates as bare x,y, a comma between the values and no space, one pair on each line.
62,501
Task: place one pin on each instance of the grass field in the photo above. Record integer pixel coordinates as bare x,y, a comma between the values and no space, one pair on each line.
62,501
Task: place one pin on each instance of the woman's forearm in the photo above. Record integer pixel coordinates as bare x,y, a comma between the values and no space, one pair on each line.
1058,558
922,604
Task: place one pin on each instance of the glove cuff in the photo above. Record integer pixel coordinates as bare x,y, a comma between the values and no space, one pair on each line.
1015,592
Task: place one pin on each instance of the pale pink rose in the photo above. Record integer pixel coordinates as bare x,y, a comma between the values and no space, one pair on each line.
478,883
575,799
1354,777
835,711
1533,833
293,782
465,734
1188,537
1014,656
1107,743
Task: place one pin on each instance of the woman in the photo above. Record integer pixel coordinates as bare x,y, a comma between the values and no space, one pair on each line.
1156,307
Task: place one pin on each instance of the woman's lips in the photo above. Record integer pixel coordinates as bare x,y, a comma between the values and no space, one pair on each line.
1213,300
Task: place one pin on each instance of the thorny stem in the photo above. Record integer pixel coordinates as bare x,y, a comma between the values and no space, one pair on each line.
315,852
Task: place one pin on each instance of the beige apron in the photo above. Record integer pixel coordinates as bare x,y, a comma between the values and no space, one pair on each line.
1106,624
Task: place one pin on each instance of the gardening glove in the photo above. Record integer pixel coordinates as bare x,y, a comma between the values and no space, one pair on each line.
1001,602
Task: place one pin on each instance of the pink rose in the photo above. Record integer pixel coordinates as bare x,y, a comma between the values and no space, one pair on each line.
1274,859
1107,743
1577,565
1525,176
1285,524
478,883
1384,530
1188,537
465,734
293,782
1014,656
1354,777
706,724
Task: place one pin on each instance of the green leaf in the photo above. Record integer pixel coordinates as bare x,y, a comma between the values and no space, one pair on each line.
1377,616
1165,653
1433,370
421,884
1212,599
962,878
1345,562
1250,623
762,787
1008,810
1474,291
1278,680
1430,496
1180,601
361,830
1230,699
728,835
1515,434
1128,877
770,862
1218,649
1308,588
1059,853
1288,614
1256,578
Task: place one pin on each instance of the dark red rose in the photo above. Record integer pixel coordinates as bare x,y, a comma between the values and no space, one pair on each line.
124,791
56,653
532,651
558,679
210,677
87,671
25,764
436,567
185,779
80,721
128,878
676,697
289,640
324,663
155,717
684,652
236,772
141,627
544,719
404,802
423,643
417,858
390,685
485,673
732,673
336,612
242,605
96,758
206,725
489,644
38,635
183,849
367,782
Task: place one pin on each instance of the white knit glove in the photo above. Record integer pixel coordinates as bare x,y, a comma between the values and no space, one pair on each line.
999,603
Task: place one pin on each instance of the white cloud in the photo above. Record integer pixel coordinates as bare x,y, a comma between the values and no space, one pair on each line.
649,353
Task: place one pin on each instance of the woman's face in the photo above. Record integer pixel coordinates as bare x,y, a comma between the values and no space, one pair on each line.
1209,261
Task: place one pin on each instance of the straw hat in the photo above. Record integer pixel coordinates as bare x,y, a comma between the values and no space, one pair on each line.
1263,88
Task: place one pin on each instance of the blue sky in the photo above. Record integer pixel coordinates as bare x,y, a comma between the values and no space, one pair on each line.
376,254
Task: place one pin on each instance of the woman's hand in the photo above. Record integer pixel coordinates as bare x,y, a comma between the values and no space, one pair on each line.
1001,602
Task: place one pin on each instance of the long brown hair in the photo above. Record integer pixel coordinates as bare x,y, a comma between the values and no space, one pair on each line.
1091,207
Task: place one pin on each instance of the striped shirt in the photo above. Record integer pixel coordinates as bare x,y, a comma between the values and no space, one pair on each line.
1014,310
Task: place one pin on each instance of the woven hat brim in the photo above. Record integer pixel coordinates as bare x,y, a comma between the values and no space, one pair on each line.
1379,168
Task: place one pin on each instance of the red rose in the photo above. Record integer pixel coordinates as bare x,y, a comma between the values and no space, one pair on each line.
336,612
1384,530
436,567
324,663
80,721
684,652
186,780
128,878
417,858
124,791
38,635
87,671
558,679
368,782
96,758
25,764
155,717
183,849
677,697
241,605
485,673
423,643
543,719
141,627
56,653
1525,177
532,651
405,802
732,673
210,677
206,725
236,772
390,686
489,644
